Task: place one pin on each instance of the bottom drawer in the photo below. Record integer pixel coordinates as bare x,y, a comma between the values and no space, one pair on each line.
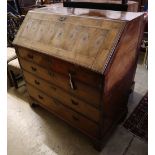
72,117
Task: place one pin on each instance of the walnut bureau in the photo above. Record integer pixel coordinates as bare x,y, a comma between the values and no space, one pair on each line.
79,66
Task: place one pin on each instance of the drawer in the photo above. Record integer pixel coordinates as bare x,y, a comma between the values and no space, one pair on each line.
61,111
89,94
65,98
60,66
33,56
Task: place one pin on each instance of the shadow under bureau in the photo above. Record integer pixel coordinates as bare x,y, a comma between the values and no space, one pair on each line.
80,67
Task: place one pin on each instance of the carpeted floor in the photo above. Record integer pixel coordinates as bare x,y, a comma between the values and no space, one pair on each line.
137,122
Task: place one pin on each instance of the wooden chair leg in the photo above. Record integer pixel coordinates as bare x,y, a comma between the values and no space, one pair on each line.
14,80
132,87
145,61
10,79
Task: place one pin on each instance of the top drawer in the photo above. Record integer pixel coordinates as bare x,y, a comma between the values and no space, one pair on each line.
63,67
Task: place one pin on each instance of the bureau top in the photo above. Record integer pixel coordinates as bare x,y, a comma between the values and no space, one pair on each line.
82,40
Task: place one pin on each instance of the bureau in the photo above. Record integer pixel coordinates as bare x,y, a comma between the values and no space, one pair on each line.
79,64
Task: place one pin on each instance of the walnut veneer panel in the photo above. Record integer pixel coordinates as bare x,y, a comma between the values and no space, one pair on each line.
84,41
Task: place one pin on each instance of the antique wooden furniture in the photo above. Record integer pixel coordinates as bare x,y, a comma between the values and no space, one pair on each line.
11,54
117,5
79,66
14,72
142,4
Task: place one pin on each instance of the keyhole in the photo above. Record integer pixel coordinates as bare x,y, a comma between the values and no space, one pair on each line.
59,34
84,38
71,36
97,42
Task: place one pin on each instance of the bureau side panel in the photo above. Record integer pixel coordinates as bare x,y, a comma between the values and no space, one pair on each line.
120,73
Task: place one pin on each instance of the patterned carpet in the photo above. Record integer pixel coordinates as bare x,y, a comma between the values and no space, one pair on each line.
137,123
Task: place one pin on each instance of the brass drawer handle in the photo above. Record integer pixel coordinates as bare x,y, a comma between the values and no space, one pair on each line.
40,97
75,118
33,68
30,56
36,82
74,102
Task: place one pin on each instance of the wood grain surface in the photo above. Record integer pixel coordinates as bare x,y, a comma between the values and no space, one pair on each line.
64,113
85,92
83,41
65,98
80,67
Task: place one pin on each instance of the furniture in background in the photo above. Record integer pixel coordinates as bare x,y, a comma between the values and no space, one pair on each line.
84,74
14,71
13,6
26,5
51,1
117,5
144,48
13,24
55,1
11,54
142,5
144,43
145,62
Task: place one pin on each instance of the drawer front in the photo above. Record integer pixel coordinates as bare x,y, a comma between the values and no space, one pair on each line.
66,114
32,56
89,94
65,98
60,66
